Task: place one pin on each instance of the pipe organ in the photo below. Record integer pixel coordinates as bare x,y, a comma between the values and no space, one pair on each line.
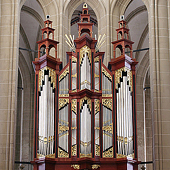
85,113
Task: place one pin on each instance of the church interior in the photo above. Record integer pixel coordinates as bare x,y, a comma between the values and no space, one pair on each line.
21,33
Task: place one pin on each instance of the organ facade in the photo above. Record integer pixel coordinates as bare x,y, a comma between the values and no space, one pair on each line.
85,113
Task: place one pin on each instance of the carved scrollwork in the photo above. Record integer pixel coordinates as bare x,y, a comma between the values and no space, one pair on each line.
107,103
84,50
108,128
97,150
106,74
95,166
52,74
63,102
108,153
63,95
76,166
88,102
74,59
74,105
97,105
74,150
96,59
63,128
62,153
118,75
65,72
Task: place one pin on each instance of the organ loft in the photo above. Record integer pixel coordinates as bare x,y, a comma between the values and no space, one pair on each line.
85,113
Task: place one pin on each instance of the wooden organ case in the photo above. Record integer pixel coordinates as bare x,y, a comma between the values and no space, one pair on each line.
85,113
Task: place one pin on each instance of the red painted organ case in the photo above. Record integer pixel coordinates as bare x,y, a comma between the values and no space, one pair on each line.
85,113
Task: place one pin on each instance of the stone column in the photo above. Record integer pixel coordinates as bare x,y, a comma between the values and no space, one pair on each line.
9,32
160,82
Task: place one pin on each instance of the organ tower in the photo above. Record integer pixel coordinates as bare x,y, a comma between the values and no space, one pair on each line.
85,113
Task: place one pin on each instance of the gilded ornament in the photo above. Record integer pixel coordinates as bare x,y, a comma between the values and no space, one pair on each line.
106,74
74,150
83,51
96,59
50,156
64,74
40,155
88,102
74,105
97,150
74,75
108,128
63,128
74,59
85,155
62,153
107,103
108,153
95,166
76,166
63,95
97,105
96,76
52,74
106,95
124,156
63,102
118,75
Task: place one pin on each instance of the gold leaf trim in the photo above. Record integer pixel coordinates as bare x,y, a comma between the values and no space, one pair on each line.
88,102
74,150
75,166
63,128
74,59
84,50
106,95
106,74
124,156
62,153
107,103
64,74
96,59
95,166
108,128
50,156
52,74
97,150
63,102
97,105
63,95
108,153
85,155
74,105
118,75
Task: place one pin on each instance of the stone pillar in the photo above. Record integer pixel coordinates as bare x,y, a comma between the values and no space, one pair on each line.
160,82
9,32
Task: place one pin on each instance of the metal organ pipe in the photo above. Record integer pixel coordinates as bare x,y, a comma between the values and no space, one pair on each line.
124,119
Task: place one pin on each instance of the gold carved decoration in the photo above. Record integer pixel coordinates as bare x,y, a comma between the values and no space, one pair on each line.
97,150
85,143
97,105
95,166
118,75
108,153
74,105
74,150
63,102
106,74
74,75
84,50
85,155
52,74
63,128
50,156
107,103
63,95
125,139
124,156
75,166
74,59
88,102
62,153
106,95
96,76
40,155
108,128
96,59
64,74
